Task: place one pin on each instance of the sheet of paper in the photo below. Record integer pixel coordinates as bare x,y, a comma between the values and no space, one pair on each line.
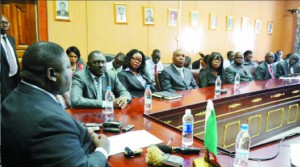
133,140
298,77
295,152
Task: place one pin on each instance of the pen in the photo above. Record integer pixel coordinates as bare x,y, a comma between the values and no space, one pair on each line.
170,141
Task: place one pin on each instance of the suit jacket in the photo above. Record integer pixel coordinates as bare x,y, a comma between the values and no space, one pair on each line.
196,64
83,91
133,85
8,84
171,80
262,71
37,132
232,70
206,78
60,13
283,69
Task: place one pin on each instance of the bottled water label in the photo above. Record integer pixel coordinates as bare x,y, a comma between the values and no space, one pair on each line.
148,101
242,154
110,104
188,128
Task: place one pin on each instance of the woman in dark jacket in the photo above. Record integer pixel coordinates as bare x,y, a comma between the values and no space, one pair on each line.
134,77
214,68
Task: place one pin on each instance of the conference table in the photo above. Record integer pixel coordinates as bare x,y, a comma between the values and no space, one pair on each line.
232,109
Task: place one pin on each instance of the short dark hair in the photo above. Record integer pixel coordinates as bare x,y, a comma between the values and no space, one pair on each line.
92,54
229,52
40,56
120,56
188,59
155,51
75,50
288,56
129,56
247,52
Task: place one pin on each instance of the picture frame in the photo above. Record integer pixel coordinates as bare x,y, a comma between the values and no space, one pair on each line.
244,23
212,21
62,10
148,15
172,17
257,27
229,23
270,27
120,12
194,18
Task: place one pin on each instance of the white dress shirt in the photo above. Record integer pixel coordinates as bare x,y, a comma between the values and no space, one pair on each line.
180,70
226,63
110,66
11,51
150,68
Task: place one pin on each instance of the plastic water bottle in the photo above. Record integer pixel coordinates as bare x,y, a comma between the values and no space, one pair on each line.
187,128
148,99
218,84
109,98
237,79
242,147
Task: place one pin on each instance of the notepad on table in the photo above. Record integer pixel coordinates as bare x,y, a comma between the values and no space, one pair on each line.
166,95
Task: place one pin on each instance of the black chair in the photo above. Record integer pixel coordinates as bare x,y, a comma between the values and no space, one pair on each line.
109,57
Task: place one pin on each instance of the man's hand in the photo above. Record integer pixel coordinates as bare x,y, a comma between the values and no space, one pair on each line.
120,102
101,141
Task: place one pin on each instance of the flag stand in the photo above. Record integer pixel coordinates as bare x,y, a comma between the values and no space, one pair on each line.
207,161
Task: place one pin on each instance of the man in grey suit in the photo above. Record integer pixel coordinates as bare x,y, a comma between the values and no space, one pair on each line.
288,68
176,77
89,85
36,129
238,67
266,70
62,10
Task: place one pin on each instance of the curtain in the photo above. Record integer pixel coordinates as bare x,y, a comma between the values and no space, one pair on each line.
297,39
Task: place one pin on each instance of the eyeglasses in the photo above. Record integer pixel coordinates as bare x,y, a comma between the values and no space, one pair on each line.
74,57
4,22
136,59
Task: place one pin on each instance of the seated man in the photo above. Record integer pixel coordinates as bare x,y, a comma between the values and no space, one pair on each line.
248,55
36,130
288,68
117,63
89,85
154,65
229,60
187,63
238,67
176,77
197,64
266,70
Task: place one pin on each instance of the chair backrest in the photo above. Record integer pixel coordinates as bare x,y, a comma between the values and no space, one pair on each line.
196,75
109,57
157,81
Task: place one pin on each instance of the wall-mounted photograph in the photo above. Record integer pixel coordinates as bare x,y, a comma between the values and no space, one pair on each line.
270,27
173,17
257,26
120,13
194,18
62,10
229,23
212,21
148,15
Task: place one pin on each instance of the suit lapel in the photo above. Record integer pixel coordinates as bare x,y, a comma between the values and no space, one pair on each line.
105,83
186,74
266,66
90,83
286,68
3,54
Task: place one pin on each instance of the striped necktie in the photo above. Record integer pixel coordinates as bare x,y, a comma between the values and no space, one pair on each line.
99,87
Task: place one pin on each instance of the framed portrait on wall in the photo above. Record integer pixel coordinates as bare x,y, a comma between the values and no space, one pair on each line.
212,21
62,10
229,23
148,15
270,27
194,18
244,25
172,17
257,27
120,13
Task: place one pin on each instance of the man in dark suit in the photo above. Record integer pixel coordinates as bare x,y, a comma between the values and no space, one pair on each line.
197,64
9,61
238,67
62,10
266,70
36,129
176,77
288,68
89,85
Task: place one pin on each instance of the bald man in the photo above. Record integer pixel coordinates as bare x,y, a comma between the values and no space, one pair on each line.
289,68
10,68
176,77
266,70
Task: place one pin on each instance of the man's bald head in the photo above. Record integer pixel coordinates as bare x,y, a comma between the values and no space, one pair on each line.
269,57
178,58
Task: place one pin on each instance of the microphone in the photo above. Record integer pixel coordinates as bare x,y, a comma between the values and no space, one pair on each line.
183,150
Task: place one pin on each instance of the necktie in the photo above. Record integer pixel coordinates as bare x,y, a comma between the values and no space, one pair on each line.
243,70
99,87
155,69
271,71
11,59
181,73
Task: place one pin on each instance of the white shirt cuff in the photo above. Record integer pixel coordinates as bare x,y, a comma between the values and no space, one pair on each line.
103,151
104,104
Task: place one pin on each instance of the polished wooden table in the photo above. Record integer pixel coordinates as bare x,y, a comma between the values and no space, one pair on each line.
133,114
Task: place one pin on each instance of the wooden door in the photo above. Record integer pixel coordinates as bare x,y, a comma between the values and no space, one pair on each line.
22,16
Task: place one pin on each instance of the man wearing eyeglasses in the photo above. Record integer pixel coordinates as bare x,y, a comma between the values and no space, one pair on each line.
176,77
238,67
9,62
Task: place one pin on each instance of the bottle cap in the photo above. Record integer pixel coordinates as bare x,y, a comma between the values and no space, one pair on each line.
147,86
108,88
188,111
244,127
